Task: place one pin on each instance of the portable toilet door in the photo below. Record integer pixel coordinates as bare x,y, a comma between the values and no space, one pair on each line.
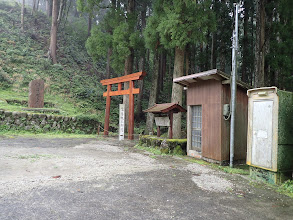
269,140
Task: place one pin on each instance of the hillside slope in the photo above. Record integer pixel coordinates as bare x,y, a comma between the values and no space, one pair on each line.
72,84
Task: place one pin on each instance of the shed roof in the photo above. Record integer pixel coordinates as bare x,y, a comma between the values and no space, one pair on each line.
206,75
165,108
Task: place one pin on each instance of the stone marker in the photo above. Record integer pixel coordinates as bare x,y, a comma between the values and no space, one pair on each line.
36,94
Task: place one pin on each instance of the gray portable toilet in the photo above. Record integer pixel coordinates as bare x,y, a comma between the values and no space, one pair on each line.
270,134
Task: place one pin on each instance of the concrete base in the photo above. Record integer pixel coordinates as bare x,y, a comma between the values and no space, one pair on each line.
269,176
193,153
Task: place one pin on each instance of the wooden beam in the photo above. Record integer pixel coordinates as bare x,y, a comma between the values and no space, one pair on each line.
158,131
107,113
171,125
127,78
224,82
131,112
121,92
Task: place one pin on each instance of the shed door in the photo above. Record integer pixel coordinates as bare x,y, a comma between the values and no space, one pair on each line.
196,127
262,136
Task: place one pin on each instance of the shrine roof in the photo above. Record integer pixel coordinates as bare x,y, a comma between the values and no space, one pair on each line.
165,108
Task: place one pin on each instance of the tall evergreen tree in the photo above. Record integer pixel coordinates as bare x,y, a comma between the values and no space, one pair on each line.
53,36
182,22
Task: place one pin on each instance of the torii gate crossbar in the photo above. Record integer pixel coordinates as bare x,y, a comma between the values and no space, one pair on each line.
130,91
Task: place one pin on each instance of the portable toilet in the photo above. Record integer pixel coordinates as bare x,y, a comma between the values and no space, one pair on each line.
270,134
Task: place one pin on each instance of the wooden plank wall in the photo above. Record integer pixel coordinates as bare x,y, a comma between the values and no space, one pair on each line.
241,121
212,95
208,94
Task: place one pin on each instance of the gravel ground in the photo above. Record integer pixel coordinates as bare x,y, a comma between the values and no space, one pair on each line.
26,168
105,179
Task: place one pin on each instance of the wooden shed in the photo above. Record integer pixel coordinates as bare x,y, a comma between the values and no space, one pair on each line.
208,122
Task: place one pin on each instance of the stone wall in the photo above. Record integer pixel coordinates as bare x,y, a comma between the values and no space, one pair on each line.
46,122
167,146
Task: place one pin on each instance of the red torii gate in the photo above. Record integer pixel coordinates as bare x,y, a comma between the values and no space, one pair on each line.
130,91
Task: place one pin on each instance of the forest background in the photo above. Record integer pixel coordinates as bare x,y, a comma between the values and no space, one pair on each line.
73,44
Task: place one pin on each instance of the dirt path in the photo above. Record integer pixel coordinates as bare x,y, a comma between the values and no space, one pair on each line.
105,179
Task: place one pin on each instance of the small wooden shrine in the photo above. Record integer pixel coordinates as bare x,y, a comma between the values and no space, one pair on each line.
164,115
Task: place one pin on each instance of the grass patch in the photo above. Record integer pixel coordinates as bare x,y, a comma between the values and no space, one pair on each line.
23,133
193,160
286,188
37,156
153,150
238,169
66,105
34,157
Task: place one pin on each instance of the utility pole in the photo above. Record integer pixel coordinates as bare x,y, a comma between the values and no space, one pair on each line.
233,86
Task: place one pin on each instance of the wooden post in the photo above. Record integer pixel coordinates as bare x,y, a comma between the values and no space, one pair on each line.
158,131
171,125
131,112
107,114
98,131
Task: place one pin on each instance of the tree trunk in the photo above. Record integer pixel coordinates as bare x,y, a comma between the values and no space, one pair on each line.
177,90
213,63
187,60
108,67
163,69
128,69
245,58
153,95
141,68
38,2
140,94
61,6
53,41
22,15
34,7
259,44
89,24
128,66
49,6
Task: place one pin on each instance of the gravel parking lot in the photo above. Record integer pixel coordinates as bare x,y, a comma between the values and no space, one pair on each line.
104,179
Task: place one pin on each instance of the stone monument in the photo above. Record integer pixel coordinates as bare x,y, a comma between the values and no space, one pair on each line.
36,94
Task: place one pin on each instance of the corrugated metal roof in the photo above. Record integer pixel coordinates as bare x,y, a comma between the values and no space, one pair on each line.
206,75
165,108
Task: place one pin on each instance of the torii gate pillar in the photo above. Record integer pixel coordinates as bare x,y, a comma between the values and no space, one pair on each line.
130,91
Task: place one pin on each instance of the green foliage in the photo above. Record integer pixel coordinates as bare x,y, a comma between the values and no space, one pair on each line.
87,5
153,150
56,134
72,84
5,81
287,188
166,146
179,23
281,44
98,43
